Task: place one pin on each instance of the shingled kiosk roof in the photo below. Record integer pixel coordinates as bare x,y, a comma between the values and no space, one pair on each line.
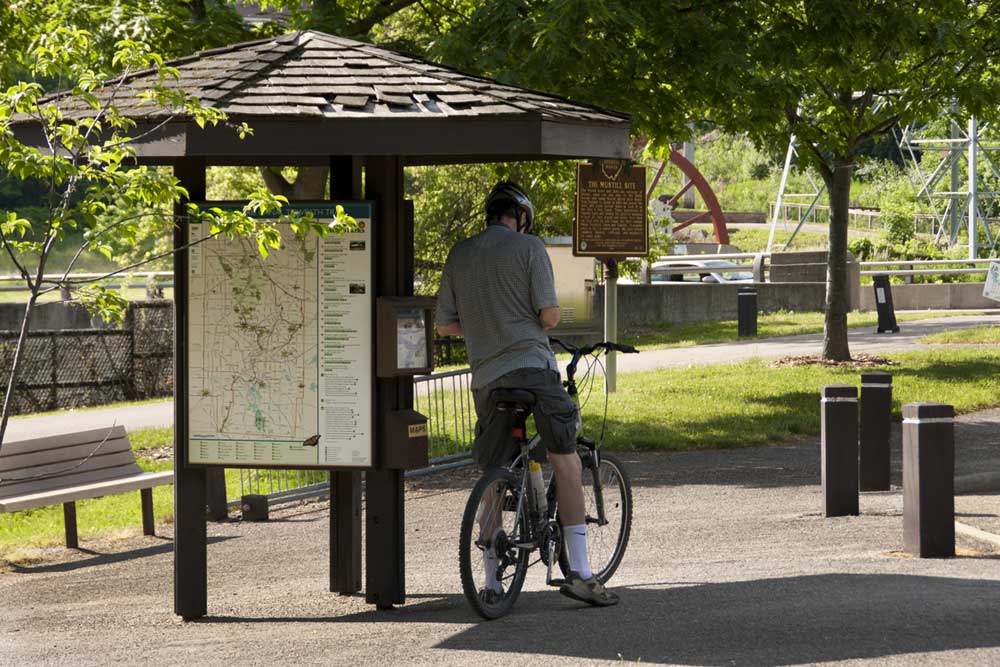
313,94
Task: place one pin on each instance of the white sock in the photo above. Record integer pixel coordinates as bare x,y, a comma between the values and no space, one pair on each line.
575,539
490,562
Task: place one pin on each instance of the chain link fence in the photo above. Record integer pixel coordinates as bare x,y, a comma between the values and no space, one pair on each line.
83,367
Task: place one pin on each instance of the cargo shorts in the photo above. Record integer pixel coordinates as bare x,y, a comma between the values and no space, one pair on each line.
557,417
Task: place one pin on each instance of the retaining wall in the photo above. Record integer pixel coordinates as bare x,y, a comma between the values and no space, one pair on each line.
643,306
946,296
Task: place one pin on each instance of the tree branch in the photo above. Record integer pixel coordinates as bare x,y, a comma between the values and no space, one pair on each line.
877,129
56,284
383,10
107,229
13,257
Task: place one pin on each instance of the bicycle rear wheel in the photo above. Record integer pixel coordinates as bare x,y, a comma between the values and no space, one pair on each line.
605,543
490,524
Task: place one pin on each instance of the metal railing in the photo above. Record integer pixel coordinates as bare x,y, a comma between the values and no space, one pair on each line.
858,218
444,398
881,268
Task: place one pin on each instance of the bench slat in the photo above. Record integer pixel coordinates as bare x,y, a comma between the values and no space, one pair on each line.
90,490
9,464
62,440
115,466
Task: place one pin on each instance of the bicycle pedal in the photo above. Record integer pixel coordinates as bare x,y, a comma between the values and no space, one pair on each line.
556,582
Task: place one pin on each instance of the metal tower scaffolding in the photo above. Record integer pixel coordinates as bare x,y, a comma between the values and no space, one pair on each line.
962,207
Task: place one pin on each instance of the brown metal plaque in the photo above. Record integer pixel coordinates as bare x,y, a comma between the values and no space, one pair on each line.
610,210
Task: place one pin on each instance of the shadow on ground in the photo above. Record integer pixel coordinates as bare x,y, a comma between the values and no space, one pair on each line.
97,558
784,621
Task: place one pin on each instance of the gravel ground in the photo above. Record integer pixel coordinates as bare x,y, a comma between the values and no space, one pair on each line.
730,563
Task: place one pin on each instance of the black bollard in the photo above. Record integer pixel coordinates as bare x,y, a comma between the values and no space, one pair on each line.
929,480
883,305
839,449
876,424
746,311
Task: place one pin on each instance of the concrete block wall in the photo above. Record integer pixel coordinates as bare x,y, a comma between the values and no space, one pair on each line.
48,316
930,296
644,306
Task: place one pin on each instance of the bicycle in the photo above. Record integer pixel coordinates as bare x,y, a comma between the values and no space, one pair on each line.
513,512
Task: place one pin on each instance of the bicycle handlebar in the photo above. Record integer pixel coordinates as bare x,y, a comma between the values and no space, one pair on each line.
580,352
607,346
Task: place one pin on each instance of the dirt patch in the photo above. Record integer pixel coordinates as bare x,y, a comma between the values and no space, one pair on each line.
157,453
859,361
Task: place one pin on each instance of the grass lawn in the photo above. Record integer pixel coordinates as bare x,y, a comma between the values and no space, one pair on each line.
718,406
751,403
130,293
970,336
109,406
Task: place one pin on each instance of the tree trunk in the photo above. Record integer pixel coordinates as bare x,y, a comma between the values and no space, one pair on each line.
837,290
15,368
310,183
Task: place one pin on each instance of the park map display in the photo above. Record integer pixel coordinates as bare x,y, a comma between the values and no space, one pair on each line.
279,351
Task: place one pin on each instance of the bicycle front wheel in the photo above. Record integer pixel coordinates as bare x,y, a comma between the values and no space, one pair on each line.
490,528
607,540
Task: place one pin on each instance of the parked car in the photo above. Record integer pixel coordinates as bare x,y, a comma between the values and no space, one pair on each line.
715,271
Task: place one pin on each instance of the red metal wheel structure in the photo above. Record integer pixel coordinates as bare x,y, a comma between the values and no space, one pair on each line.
696,180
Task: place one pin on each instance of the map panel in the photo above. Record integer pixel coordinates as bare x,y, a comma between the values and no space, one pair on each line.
279,351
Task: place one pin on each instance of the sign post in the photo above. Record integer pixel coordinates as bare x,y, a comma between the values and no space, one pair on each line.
610,224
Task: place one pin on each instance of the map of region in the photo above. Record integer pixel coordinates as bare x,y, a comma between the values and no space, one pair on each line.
253,350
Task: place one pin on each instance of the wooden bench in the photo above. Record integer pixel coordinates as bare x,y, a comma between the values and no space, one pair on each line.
74,466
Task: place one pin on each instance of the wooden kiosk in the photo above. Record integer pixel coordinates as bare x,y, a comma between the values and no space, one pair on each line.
313,99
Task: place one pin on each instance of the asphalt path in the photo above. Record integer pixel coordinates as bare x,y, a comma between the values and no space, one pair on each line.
861,341
730,563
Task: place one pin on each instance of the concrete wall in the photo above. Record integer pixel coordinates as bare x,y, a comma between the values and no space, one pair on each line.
48,316
643,306
931,296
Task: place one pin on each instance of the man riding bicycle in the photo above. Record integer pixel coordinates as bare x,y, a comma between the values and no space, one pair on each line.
497,290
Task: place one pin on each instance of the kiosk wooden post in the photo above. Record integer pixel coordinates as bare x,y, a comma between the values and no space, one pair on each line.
190,493
384,546
345,485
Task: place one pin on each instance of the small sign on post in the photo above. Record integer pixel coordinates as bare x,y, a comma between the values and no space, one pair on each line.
991,290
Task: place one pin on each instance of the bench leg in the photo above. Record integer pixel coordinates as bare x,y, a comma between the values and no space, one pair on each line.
148,524
69,523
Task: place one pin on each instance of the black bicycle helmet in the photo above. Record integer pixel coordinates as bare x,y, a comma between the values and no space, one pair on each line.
507,195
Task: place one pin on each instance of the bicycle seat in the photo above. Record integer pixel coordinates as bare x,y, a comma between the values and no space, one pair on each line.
512,399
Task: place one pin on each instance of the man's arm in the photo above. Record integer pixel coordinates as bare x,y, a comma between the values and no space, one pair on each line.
549,317
446,312
453,329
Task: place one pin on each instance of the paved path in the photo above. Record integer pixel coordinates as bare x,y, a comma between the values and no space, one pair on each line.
730,563
861,340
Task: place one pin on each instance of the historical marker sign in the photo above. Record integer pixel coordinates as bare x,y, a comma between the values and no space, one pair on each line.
279,350
610,210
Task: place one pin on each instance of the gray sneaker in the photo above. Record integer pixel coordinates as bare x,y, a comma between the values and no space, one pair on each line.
590,591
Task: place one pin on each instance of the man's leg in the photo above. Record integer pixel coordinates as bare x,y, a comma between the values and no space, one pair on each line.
581,584
569,492
489,520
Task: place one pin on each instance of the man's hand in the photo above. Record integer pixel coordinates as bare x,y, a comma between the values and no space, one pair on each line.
453,329
549,317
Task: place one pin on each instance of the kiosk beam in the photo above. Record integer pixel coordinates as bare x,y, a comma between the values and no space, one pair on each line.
384,543
190,484
345,486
